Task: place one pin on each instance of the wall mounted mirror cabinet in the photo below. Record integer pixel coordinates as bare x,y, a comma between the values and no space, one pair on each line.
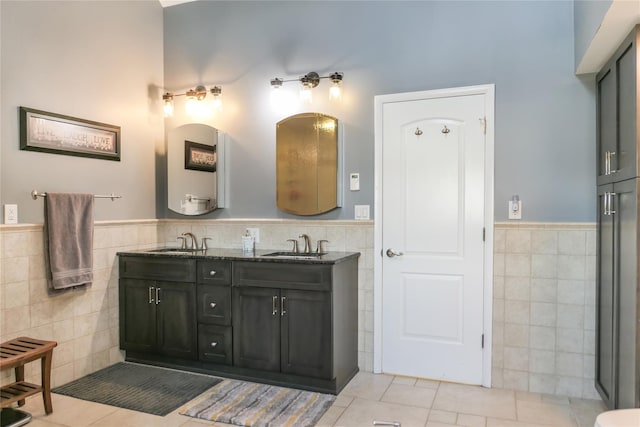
307,164
195,170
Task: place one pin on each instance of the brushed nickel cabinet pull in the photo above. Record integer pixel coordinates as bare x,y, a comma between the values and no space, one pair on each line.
214,344
274,305
213,305
212,273
283,311
158,296
151,289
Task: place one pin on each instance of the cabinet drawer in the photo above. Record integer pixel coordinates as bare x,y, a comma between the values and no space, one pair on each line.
214,304
283,275
214,272
162,268
214,344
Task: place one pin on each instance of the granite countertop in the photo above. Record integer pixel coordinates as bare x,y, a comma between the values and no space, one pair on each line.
261,255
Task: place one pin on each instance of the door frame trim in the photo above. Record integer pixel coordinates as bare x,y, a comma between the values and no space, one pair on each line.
489,92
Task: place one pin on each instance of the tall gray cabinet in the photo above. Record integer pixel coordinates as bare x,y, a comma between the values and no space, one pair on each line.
617,376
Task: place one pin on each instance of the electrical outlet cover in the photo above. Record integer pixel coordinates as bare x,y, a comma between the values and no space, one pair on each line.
10,214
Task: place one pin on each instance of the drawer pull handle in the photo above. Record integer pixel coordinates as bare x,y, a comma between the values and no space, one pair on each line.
283,310
213,344
212,273
213,305
274,305
158,296
151,290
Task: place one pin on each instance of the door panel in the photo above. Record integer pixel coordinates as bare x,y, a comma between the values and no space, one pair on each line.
306,345
256,328
605,363
433,213
176,323
137,315
626,278
606,124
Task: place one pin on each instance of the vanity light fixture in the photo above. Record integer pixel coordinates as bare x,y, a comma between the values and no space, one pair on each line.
310,81
193,98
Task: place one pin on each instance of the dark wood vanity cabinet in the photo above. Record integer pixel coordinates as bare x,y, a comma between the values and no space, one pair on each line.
285,323
157,302
283,330
305,326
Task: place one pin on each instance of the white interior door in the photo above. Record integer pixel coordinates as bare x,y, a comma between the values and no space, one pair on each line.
432,206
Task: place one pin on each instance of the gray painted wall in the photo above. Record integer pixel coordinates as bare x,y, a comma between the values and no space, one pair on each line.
545,131
95,60
587,17
104,61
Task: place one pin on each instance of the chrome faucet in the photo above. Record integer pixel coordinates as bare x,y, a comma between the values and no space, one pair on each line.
194,240
307,243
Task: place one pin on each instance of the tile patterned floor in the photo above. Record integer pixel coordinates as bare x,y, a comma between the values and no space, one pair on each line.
368,397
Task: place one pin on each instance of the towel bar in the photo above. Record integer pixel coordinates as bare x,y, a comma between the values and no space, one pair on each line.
35,195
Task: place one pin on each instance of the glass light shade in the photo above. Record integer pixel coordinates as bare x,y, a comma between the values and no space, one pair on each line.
216,103
168,108
305,94
335,91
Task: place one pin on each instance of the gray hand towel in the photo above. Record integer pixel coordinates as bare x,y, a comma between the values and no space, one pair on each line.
68,235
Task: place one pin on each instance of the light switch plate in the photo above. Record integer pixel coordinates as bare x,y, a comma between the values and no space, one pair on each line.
10,214
361,211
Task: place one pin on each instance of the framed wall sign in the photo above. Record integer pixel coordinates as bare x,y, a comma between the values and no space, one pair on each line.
58,134
199,157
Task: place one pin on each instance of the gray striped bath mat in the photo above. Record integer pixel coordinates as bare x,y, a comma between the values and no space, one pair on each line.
140,388
258,405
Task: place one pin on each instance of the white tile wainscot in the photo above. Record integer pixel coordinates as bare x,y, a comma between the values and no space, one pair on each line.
544,294
83,321
544,308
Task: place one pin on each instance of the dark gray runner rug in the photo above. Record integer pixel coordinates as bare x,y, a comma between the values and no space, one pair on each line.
259,405
140,388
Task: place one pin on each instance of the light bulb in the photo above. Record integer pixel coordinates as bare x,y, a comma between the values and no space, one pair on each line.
168,108
335,91
168,104
305,94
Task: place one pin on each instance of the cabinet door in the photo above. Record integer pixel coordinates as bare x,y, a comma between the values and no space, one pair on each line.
616,116
607,140
177,331
625,162
626,285
306,344
256,328
137,315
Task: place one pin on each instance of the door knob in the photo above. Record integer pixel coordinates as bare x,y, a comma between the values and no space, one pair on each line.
391,253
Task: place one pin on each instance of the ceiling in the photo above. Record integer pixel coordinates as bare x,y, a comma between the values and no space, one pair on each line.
167,3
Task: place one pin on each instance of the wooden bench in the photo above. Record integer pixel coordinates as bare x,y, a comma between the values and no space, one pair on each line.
14,354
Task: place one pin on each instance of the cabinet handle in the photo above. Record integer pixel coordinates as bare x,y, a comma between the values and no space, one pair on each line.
214,344
611,211
151,288
213,305
274,305
212,273
283,311
611,171
607,162
157,296
605,199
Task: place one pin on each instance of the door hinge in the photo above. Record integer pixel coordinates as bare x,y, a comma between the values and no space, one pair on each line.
484,124
482,340
484,232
